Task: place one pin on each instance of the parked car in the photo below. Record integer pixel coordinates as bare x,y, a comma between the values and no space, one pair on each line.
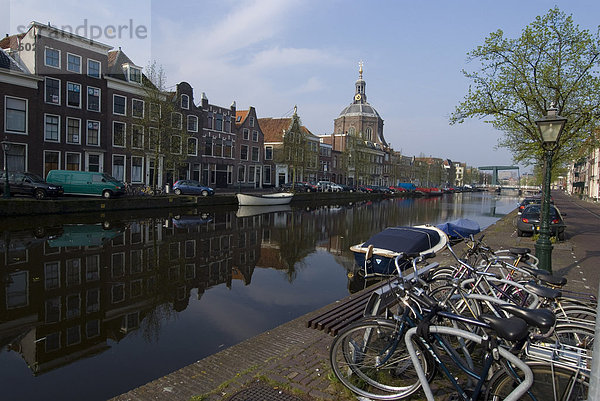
531,200
324,186
347,188
192,187
29,184
336,187
529,221
300,186
86,183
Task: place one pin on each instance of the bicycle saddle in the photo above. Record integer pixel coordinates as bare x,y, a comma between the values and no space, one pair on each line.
519,251
509,328
552,280
541,291
544,319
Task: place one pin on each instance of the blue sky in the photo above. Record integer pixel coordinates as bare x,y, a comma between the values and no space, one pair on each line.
274,54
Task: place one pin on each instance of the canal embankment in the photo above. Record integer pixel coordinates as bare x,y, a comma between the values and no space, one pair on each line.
291,361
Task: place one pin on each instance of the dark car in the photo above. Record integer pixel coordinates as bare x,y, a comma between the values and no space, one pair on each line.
192,187
29,184
531,200
529,221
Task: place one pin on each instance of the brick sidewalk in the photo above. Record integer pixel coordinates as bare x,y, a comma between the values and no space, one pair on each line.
294,360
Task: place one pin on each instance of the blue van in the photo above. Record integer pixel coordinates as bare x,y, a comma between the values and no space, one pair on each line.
86,183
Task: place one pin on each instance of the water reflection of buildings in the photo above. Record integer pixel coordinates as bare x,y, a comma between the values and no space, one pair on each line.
72,289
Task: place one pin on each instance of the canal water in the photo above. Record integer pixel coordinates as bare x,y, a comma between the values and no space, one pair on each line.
95,305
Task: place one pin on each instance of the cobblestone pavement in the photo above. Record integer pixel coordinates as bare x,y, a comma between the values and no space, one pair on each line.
293,360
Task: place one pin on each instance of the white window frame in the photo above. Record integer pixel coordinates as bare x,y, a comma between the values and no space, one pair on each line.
52,152
112,166
76,84
180,120
46,57
124,134
151,145
254,136
87,127
59,91
180,144
99,69
26,129
58,133
192,118
141,127
141,178
132,108
125,103
80,60
247,152
246,134
130,70
87,103
67,159
269,147
67,131
195,147
187,106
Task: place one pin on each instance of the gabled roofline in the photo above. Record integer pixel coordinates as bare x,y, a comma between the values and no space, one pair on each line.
69,35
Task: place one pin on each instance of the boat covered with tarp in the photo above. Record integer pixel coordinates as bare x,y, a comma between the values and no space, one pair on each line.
376,255
458,229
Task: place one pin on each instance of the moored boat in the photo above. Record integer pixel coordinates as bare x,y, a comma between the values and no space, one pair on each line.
280,198
377,254
458,229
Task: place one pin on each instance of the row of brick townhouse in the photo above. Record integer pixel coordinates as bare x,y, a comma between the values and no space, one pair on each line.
73,103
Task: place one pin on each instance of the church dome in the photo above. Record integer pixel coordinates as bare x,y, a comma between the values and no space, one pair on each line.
359,109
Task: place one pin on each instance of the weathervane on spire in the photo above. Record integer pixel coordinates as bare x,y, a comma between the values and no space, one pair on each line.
360,69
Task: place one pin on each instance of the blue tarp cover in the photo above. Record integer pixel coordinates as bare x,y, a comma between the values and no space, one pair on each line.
460,228
404,239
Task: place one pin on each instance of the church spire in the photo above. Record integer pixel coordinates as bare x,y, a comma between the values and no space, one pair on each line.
360,95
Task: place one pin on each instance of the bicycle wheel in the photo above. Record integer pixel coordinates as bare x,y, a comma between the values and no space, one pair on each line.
550,383
371,359
577,335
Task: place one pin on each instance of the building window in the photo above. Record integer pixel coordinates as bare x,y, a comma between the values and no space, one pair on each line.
73,130
153,138
246,133
119,105
119,134
154,110
227,148
255,136
93,99
228,124
51,275
137,164
94,162
93,133
251,173
219,122
15,110
244,152
241,173
135,75
73,276
369,133
51,128
137,108
176,120
52,57
73,161
92,300
251,122
52,87
137,137
51,161
268,152
17,290
266,174
73,63
118,167
176,144
218,147
254,154
208,147
209,121
192,148
93,68
192,123
73,95
185,102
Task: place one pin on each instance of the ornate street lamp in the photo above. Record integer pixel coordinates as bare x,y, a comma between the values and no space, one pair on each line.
5,148
551,128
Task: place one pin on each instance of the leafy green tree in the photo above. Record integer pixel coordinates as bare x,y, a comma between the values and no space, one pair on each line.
553,62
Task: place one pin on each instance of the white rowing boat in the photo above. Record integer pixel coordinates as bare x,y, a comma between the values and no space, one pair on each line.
280,198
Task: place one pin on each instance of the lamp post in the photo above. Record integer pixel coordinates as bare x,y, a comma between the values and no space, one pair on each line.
550,127
5,148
